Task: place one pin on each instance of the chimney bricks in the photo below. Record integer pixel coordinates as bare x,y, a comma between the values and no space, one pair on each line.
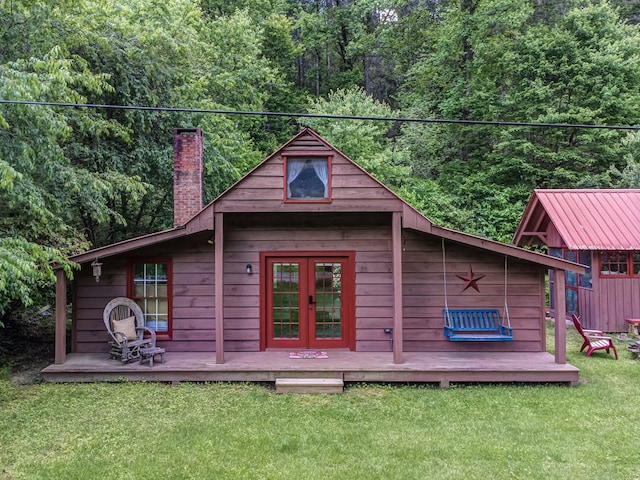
187,174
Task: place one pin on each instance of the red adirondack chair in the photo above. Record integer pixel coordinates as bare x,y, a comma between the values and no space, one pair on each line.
594,339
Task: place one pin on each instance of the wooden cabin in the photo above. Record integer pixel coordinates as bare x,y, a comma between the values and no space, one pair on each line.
598,229
308,252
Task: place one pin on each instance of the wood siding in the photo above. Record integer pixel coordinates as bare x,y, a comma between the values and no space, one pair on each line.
609,302
424,295
352,188
193,298
374,289
423,290
586,307
616,299
358,219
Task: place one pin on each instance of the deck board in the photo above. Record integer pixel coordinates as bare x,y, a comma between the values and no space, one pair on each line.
442,368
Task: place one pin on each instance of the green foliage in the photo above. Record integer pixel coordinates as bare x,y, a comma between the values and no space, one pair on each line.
281,49
365,142
36,227
629,175
578,71
428,196
73,177
504,60
228,155
257,9
25,269
341,48
279,46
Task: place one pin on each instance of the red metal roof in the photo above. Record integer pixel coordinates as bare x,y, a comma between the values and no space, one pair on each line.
586,219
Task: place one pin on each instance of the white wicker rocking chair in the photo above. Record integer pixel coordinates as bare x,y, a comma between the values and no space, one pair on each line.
130,339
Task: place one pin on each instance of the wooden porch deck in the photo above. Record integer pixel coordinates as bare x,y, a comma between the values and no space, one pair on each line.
440,368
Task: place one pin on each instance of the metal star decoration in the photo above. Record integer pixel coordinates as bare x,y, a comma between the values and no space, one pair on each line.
470,280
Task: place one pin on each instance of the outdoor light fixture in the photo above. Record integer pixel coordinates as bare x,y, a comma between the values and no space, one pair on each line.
97,269
389,331
248,268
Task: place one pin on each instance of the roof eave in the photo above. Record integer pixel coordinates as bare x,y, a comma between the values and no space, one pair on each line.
129,245
506,249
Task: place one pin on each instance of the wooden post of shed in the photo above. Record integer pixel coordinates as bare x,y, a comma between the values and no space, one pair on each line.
560,321
219,287
396,236
60,335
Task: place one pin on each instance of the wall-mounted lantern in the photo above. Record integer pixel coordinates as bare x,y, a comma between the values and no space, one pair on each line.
248,269
97,269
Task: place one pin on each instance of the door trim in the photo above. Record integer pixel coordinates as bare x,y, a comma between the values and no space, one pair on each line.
348,290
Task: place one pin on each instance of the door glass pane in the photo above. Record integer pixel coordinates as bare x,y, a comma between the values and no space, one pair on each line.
328,285
286,294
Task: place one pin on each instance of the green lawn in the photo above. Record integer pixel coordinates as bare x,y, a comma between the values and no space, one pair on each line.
220,431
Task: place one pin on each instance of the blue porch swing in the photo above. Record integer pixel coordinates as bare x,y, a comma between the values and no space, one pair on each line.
475,325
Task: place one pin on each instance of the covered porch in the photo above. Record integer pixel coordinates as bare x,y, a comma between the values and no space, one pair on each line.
440,368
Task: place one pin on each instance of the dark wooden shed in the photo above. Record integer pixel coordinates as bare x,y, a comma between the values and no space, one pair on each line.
598,229
308,252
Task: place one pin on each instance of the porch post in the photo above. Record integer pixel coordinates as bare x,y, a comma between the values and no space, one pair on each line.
396,235
560,323
219,287
60,336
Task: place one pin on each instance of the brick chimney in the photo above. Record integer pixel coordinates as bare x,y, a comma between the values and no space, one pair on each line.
187,174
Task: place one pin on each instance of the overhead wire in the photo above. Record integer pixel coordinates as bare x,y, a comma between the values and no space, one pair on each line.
319,115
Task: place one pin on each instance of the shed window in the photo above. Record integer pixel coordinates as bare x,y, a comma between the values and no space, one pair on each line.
584,258
573,281
307,178
615,264
150,287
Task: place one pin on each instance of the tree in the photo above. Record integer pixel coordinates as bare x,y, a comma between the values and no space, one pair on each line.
160,54
37,183
365,142
629,175
71,178
497,60
580,71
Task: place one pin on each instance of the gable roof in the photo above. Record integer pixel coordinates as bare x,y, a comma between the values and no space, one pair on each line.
387,200
262,189
585,219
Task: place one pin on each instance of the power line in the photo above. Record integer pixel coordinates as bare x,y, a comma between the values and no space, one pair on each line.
319,115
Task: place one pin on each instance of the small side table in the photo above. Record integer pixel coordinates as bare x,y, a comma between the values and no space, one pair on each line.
633,326
150,353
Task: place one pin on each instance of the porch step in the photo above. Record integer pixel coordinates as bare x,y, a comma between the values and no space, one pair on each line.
309,385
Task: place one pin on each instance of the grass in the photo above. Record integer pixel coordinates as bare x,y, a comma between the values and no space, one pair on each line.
238,431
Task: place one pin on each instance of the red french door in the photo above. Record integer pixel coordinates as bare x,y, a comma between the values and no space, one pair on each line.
308,301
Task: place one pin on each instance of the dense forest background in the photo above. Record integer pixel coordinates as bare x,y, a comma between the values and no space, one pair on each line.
73,178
